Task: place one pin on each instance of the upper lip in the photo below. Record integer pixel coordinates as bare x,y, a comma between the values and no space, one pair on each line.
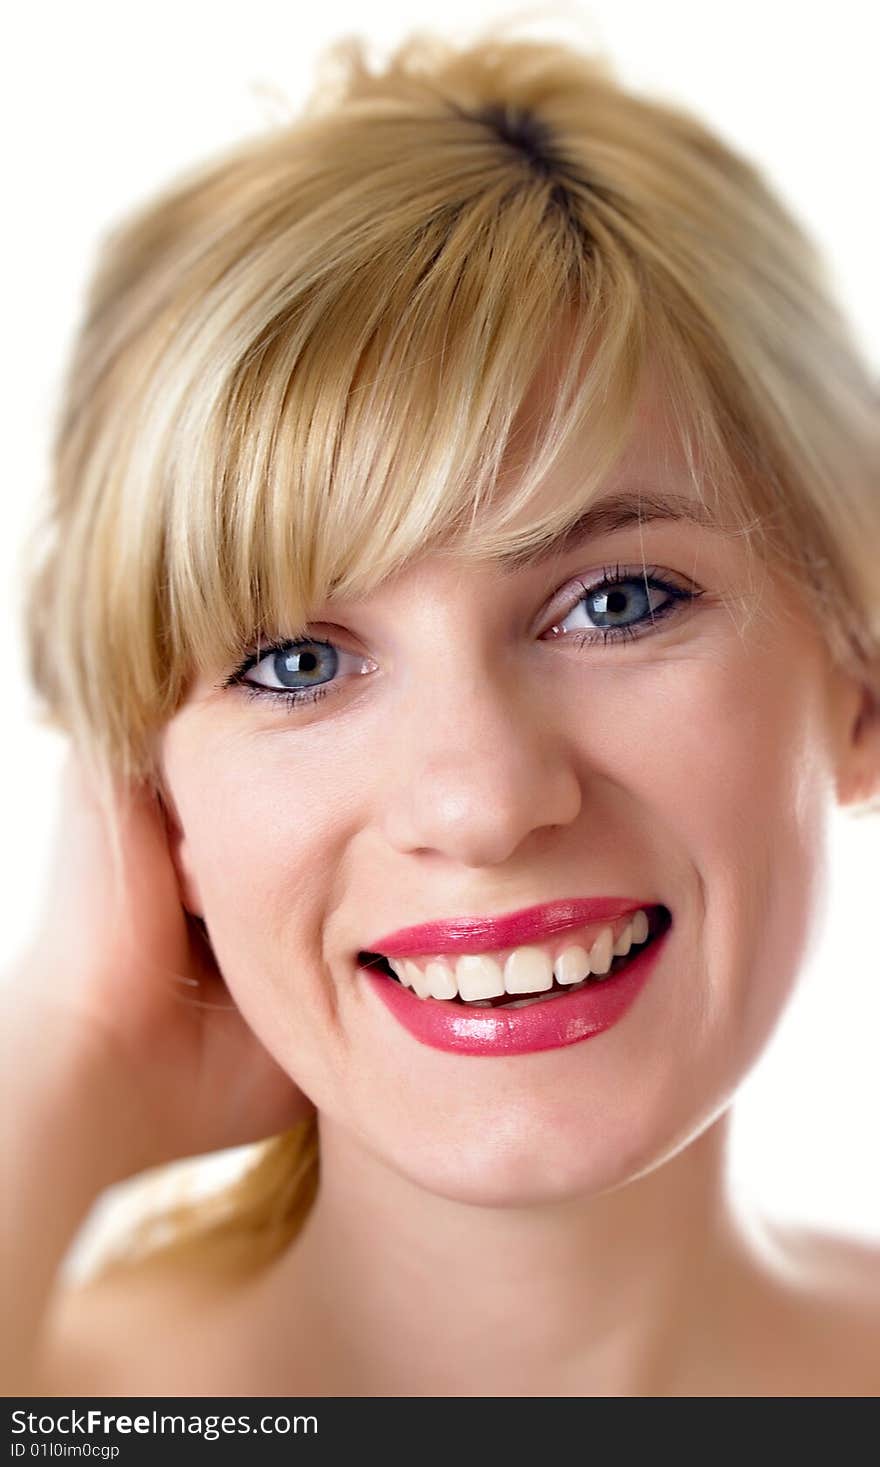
510,929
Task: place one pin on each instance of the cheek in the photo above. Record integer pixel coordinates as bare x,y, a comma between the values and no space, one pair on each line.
739,783
262,855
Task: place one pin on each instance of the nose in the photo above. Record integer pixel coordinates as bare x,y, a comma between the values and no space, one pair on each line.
476,772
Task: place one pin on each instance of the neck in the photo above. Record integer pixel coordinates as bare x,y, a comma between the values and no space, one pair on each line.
392,1290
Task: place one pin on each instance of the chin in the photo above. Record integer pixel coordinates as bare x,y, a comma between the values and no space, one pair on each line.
518,1165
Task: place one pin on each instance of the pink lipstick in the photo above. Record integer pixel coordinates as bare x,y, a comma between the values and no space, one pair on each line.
560,1020
484,934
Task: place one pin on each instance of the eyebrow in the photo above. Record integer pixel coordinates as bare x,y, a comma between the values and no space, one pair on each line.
618,512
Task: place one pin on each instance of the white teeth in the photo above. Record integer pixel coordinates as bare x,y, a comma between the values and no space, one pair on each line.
624,942
441,980
600,952
418,980
479,976
640,926
572,966
528,970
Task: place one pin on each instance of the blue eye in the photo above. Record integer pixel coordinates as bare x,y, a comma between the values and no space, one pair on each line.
303,670
307,669
621,603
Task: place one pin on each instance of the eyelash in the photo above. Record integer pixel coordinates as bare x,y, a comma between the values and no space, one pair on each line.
298,698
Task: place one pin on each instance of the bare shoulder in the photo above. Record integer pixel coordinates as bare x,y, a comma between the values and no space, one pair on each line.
843,1268
159,1326
830,1284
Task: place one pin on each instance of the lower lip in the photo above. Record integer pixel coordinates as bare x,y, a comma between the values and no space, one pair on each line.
445,1024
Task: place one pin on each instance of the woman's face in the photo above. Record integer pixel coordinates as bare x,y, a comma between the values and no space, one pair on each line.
465,761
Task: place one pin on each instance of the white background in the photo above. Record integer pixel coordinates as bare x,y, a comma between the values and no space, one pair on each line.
104,102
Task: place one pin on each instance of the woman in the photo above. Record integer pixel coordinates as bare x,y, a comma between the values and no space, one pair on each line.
465,518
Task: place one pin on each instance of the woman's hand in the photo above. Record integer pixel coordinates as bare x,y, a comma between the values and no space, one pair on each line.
126,982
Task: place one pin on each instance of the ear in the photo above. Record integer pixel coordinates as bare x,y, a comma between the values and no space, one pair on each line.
858,762
179,851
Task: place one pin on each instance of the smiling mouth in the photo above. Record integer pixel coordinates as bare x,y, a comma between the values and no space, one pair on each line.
659,921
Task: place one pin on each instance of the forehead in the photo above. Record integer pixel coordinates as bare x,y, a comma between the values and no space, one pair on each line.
653,479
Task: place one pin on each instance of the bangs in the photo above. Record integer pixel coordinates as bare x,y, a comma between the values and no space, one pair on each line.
364,426
423,319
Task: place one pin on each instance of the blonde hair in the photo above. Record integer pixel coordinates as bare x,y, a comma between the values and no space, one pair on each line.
301,364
